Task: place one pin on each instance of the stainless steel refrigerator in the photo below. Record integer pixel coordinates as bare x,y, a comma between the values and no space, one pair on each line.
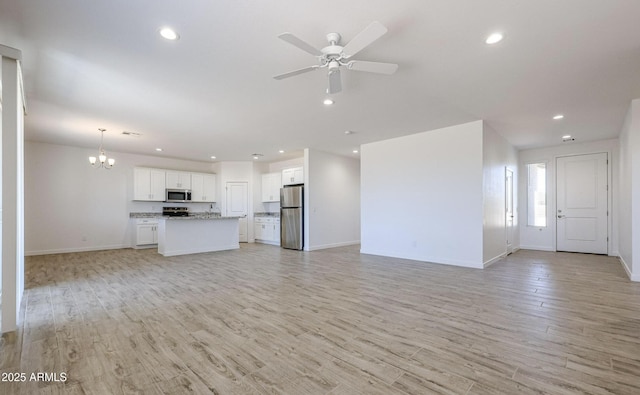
291,217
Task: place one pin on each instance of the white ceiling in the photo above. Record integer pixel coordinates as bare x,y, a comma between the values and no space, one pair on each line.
90,64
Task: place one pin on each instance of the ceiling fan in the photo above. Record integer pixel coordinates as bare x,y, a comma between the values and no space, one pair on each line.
335,55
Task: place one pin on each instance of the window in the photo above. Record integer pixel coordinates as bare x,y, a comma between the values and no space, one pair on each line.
537,194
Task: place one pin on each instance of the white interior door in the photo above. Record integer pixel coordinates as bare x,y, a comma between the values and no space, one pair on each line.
581,222
509,209
237,206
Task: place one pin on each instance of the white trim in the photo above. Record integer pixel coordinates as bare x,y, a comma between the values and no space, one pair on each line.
334,245
273,243
9,52
494,260
201,250
403,255
538,248
630,274
626,268
77,249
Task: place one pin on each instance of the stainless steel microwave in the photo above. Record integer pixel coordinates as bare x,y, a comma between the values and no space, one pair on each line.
178,195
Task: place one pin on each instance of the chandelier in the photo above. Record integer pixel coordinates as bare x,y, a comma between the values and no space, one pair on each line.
104,162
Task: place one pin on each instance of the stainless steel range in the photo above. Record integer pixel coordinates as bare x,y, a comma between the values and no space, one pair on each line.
175,211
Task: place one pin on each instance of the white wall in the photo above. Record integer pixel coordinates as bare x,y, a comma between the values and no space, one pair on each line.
12,190
544,238
629,207
258,170
421,196
498,155
70,206
333,191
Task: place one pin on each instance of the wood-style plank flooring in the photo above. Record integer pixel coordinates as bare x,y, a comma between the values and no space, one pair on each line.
263,320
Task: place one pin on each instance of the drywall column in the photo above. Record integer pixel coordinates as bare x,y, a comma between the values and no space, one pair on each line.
629,181
12,188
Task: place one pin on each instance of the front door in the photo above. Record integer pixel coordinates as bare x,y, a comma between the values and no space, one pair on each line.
581,222
237,206
509,209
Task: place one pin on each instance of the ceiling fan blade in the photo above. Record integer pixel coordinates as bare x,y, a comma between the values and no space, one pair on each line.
372,67
295,72
335,82
370,34
303,45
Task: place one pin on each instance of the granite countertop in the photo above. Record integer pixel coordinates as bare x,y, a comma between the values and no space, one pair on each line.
267,214
194,215
145,215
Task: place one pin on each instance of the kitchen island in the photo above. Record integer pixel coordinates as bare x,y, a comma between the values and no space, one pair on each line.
196,234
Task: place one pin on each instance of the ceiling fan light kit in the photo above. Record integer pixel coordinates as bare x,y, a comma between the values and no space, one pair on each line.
334,56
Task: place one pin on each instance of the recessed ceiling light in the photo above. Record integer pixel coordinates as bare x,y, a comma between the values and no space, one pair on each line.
559,116
281,151
256,156
355,151
159,149
494,38
348,132
169,33
213,157
328,102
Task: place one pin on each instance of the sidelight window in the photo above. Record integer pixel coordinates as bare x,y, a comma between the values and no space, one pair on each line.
537,194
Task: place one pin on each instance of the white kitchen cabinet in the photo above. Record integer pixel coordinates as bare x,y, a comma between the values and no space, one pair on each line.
203,187
267,230
178,179
149,184
271,183
146,232
276,231
293,176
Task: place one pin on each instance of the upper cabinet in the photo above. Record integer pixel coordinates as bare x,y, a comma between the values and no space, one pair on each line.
151,184
178,179
148,184
203,187
293,176
271,183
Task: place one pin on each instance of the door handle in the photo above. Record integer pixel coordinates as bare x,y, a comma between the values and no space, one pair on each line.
560,216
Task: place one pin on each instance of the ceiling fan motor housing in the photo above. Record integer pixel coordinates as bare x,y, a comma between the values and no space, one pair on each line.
334,55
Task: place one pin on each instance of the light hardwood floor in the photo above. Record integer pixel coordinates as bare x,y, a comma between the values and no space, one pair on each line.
266,320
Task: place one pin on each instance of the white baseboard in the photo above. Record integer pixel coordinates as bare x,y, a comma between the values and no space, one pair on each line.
440,261
628,271
76,249
273,243
200,250
625,266
145,247
537,248
494,260
333,245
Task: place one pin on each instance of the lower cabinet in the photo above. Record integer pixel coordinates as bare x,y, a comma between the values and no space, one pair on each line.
146,232
267,230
